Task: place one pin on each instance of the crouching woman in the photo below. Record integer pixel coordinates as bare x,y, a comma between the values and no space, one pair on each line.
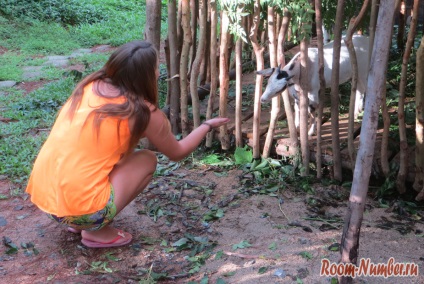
88,170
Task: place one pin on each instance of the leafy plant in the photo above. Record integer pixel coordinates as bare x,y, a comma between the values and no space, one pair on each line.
153,210
100,266
216,160
262,168
243,155
196,244
11,247
241,245
200,248
306,255
272,246
152,277
213,214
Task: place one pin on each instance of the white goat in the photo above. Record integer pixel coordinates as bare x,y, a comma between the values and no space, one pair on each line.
289,76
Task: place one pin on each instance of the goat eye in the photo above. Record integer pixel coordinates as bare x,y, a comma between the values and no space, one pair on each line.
282,74
291,67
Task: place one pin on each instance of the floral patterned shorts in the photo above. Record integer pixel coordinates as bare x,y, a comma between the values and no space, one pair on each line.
91,222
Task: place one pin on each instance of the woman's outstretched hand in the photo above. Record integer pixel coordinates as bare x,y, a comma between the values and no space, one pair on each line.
217,121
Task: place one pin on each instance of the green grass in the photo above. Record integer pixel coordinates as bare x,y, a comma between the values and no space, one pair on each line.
115,31
10,66
121,21
31,118
30,37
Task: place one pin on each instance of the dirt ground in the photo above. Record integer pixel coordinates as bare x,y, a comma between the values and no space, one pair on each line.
252,237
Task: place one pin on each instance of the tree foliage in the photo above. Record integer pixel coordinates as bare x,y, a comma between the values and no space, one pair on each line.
301,10
352,8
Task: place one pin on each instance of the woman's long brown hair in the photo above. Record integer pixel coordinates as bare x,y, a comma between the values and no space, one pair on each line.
131,69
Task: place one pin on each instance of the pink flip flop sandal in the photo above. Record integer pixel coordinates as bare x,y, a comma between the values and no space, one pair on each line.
73,230
112,243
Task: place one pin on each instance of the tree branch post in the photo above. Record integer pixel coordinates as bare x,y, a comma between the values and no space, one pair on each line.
376,82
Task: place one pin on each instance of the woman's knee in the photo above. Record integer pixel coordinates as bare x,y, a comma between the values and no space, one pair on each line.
148,159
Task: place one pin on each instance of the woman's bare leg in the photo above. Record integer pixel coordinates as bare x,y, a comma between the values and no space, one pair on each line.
129,178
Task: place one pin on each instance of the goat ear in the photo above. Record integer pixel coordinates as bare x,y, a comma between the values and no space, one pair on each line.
296,57
266,72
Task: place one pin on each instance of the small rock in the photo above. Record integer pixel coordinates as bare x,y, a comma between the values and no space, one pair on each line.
295,224
136,248
40,232
57,57
18,207
80,52
7,84
31,72
302,273
303,241
3,222
28,253
206,224
57,61
280,273
21,217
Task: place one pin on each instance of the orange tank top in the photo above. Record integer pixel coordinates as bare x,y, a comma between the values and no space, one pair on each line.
70,176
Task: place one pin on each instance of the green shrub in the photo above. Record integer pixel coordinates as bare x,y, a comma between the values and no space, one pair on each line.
69,12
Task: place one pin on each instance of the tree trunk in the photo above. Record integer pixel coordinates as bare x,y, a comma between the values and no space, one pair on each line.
293,147
303,105
353,25
174,66
223,78
153,22
275,110
213,67
194,6
168,71
259,79
419,127
384,149
239,74
376,82
384,156
196,64
185,22
400,40
337,165
180,34
403,167
320,43
204,75
373,22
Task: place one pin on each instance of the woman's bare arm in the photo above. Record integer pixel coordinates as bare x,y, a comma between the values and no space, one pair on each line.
159,133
